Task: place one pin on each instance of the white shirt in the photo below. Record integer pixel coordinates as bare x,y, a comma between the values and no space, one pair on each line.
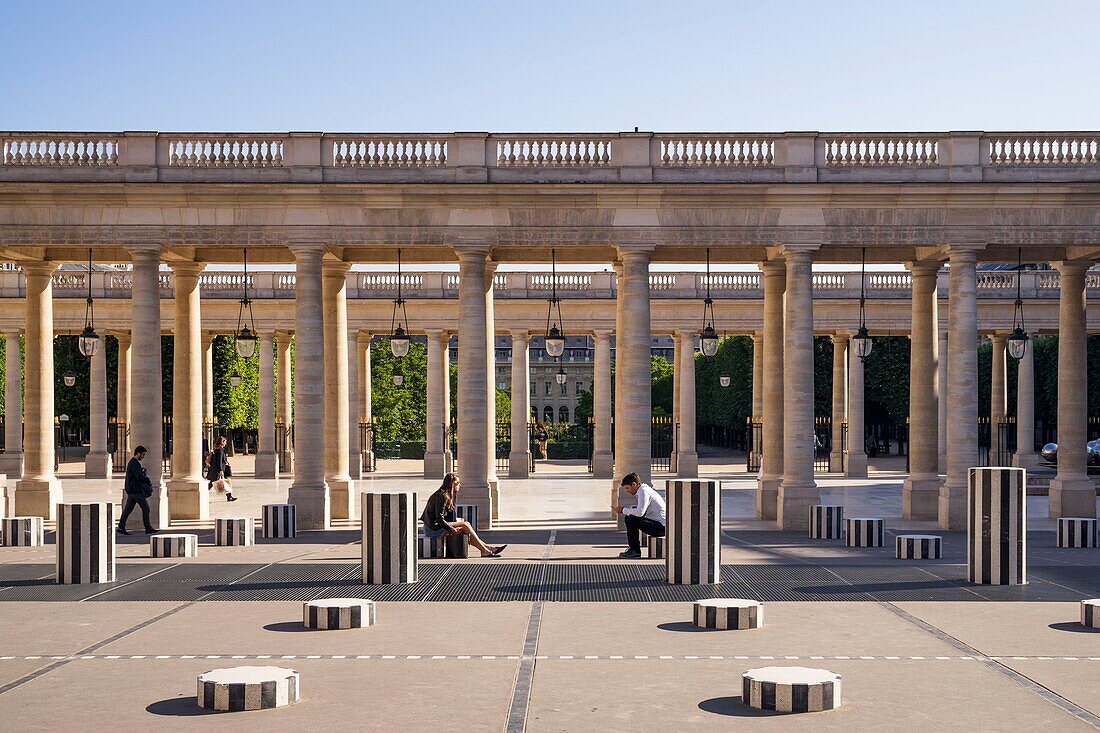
650,504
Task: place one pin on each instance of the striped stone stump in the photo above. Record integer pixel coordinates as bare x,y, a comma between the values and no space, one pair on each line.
791,689
23,531
654,547
235,532
692,540
918,547
432,548
1090,613
729,613
863,532
86,543
326,614
235,689
1074,532
279,521
174,545
389,538
826,521
996,528
467,512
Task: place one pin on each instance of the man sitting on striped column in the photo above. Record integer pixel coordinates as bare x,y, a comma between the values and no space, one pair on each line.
648,515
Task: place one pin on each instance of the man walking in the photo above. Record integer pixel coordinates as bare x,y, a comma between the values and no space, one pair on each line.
648,515
138,489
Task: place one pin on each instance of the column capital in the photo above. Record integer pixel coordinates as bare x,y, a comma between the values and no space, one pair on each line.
635,253
300,247
12,331
207,338
841,337
187,268
799,252
1073,267
38,268
772,268
963,252
521,334
436,335
923,268
335,269
123,337
602,333
471,252
144,252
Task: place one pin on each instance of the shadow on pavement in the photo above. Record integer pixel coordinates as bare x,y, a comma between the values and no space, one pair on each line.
178,707
1074,626
733,707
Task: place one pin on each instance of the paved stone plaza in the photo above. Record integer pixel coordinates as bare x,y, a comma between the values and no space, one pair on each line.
598,643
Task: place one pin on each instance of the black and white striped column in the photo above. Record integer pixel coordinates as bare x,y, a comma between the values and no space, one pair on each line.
432,548
236,689
996,526
279,521
86,543
174,545
918,547
1076,532
729,613
1090,613
826,521
23,531
457,546
655,547
234,531
338,613
693,532
467,512
389,538
863,532
791,689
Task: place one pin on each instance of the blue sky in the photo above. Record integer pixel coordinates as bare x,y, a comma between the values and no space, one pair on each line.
550,66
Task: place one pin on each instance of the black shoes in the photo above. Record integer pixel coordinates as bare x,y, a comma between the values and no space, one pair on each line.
122,530
231,498
149,530
630,555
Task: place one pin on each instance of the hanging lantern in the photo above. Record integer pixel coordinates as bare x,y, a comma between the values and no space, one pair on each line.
708,337
398,376
399,337
861,342
88,341
246,337
724,380
69,378
561,376
554,342
1017,340
235,379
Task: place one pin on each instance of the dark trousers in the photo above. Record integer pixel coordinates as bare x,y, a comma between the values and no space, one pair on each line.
131,501
641,524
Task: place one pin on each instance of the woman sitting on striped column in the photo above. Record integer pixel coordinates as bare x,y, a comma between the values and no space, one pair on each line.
439,517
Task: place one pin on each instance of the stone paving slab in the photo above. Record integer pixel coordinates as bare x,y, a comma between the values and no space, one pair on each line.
65,628
1078,682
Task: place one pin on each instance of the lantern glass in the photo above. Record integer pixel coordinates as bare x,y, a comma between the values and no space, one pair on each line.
399,343
69,379
398,378
246,343
708,341
555,343
561,376
724,380
235,379
862,343
88,341
1017,344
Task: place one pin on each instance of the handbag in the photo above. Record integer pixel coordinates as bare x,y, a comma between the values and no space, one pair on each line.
228,472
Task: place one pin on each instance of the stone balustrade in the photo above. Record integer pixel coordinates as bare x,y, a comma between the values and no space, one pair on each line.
718,157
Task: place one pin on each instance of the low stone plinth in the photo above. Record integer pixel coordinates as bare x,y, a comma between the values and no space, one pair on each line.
467,512
729,613
918,547
86,543
1076,532
996,526
338,613
234,531
279,521
826,521
1090,613
235,689
863,532
22,531
389,549
654,547
455,546
791,689
174,545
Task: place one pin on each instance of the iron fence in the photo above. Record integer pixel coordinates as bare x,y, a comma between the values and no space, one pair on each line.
662,443
754,437
118,444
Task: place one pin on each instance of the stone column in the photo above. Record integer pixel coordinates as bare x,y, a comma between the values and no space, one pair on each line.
757,376
941,394
267,460
771,467
146,418
603,460
998,392
855,461
519,459
798,490
285,398
435,459
11,460
474,378
491,387
445,368
207,345
1071,492
97,464
687,460
632,373
309,492
355,399
962,387
840,399
365,387
673,459
919,499
1026,457
189,496
618,496
341,487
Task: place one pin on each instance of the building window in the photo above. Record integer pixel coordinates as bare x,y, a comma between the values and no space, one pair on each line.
565,390
548,414
535,413
547,389
563,414
580,388
534,388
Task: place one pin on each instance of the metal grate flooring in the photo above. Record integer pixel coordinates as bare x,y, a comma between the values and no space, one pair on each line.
457,582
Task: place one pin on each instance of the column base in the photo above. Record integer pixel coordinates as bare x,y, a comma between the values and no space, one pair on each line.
36,497
311,505
355,466
767,496
159,511
98,465
366,462
920,497
494,499
793,505
287,466
342,497
519,464
188,498
480,496
1072,497
603,464
267,465
674,463
952,504
11,464
855,465
836,461
620,497
435,465
687,465
1025,460
4,492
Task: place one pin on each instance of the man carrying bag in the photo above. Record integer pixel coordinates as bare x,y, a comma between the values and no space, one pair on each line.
138,489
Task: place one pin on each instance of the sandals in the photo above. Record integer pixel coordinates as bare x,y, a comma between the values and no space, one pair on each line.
497,551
